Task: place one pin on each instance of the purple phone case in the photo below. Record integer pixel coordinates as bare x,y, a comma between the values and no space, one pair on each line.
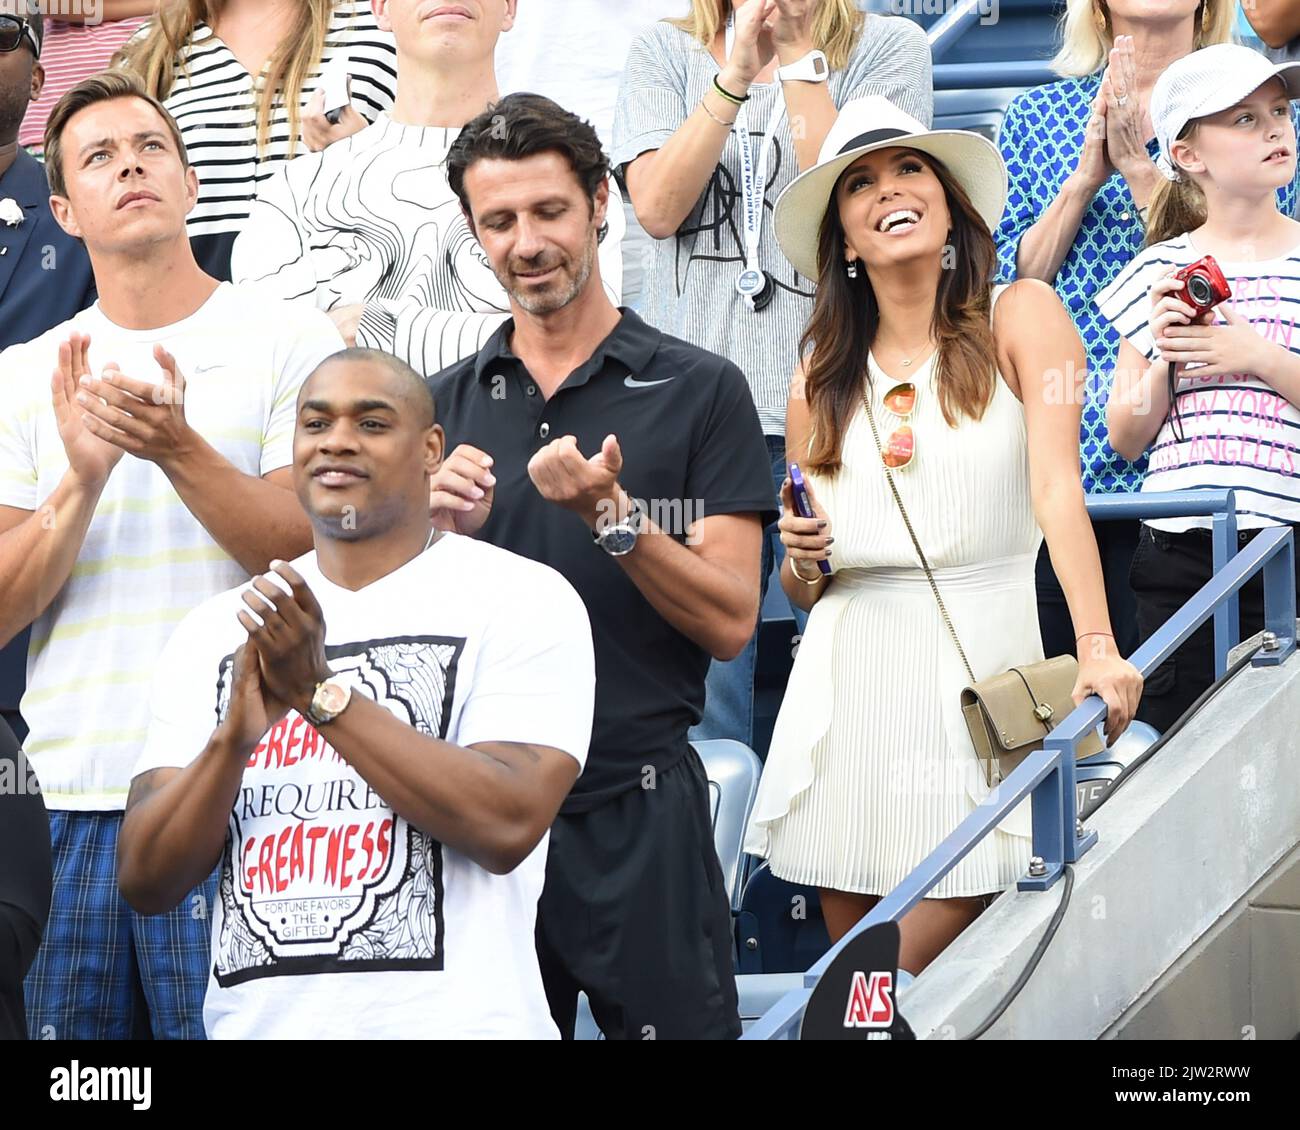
804,507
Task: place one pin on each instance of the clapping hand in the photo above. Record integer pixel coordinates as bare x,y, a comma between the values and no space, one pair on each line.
588,487
753,48
287,629
147,420
461,491
791,28
90,458
1128,123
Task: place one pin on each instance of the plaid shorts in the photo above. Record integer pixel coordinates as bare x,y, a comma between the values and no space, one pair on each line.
104,972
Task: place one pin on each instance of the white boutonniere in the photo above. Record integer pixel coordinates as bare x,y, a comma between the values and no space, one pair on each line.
11,213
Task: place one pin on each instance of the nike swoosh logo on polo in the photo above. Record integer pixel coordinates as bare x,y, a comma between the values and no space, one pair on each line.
632,382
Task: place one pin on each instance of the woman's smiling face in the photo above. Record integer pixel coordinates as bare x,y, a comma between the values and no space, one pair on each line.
892,207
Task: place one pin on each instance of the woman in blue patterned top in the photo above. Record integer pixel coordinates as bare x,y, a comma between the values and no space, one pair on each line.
1079,156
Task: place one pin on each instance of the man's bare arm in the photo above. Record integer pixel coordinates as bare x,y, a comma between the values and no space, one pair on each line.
175,827
492,802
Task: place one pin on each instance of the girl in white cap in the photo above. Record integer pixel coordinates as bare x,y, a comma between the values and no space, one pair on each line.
913,374
1213,395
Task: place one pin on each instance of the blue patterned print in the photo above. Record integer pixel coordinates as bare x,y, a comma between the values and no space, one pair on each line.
1041,139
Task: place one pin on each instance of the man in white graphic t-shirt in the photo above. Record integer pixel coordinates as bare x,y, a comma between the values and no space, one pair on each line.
399,716
370,230
144,466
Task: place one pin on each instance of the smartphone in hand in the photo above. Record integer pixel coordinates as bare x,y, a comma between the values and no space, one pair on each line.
337,84
803,506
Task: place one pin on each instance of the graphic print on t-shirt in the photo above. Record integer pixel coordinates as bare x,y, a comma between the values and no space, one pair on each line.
319,874
1228,429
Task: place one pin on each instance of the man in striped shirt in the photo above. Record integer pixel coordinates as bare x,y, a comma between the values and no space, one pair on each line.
153,472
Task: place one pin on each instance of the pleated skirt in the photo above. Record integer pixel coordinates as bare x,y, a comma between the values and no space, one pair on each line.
891,765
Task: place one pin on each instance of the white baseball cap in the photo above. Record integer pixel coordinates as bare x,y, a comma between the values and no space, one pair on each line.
1207,82
871,123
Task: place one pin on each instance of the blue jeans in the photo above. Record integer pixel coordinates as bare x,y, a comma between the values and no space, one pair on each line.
729,686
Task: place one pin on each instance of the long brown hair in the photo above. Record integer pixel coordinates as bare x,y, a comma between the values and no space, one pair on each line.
156,55
846,316
1177,206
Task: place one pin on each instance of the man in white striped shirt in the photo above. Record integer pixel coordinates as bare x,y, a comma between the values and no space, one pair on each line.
370,230
153,472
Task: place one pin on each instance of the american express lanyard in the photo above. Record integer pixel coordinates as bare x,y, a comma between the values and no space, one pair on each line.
753,282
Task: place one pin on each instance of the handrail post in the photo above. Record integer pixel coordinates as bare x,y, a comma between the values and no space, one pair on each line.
1048,819
1074,844
1227,622
1279,603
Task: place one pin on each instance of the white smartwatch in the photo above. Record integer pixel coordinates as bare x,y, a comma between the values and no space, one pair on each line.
811,68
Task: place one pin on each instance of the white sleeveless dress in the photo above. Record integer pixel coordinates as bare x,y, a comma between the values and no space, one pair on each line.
871,765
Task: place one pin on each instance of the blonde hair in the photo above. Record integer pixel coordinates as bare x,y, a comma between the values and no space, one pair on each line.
154,56
835,31
1176,206
1085,46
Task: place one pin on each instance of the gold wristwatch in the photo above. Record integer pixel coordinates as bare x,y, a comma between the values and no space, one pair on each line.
330,699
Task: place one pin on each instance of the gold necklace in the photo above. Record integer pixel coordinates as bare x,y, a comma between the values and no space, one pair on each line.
907,363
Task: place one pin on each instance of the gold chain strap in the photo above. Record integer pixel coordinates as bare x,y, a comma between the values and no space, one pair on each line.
929,576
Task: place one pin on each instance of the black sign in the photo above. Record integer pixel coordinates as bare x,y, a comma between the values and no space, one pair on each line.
855,999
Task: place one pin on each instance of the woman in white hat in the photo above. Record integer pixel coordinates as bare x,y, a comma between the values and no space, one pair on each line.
1212,397
914,370
717,113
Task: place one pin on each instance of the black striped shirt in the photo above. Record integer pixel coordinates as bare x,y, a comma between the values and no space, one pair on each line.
216,109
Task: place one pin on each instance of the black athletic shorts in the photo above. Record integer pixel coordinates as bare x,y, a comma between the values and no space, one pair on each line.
635,914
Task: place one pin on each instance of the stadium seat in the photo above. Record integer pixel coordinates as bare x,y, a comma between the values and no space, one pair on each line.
733,772
1132,742
1093,775
779,927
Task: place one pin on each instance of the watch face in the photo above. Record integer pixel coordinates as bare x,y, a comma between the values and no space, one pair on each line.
618,540
331,698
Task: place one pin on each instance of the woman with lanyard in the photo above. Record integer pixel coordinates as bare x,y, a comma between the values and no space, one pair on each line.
1079,156
703,181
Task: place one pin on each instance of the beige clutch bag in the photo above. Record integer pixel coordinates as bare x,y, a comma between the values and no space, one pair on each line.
1008,715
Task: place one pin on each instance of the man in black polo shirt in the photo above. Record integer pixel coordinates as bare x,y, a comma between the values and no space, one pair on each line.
633,464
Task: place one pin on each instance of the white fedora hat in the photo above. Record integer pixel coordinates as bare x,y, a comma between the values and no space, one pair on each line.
867,124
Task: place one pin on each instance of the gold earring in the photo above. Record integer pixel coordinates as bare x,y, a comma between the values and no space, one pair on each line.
1098,15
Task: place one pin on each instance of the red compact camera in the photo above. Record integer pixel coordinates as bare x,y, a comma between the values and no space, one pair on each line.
1203,284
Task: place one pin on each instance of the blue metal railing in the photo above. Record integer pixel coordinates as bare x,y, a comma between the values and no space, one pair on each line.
1048,775
1221,507
987,76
